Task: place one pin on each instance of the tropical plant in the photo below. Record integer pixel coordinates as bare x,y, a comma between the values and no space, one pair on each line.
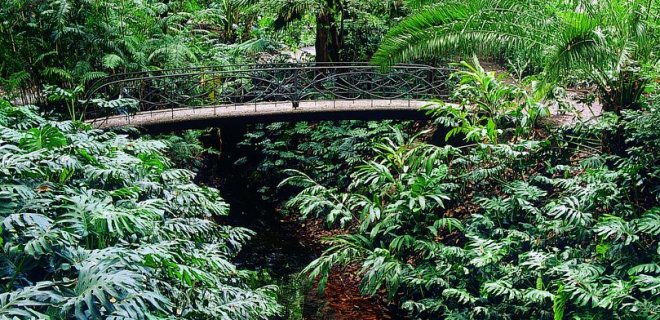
484,106
98,225
321,149
186,150
333,19
542,229
68,43
605,42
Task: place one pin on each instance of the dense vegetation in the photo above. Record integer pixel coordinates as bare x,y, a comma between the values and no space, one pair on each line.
321,149
96,224
609,43
65,44
535,226
494,210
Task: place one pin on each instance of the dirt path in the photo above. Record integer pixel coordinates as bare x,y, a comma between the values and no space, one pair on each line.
577,109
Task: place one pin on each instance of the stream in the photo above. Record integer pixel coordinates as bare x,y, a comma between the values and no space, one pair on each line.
275,251
278,257
280,250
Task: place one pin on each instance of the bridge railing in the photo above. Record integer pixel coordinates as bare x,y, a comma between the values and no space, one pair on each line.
166,90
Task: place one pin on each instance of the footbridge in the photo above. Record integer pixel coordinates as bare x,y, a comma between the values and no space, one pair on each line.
207,96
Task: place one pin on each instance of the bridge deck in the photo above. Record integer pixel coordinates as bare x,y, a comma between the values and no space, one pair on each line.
267,111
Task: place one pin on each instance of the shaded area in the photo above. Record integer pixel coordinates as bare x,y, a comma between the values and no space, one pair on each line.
283,246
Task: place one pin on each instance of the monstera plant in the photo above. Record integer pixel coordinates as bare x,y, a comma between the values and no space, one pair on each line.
97,225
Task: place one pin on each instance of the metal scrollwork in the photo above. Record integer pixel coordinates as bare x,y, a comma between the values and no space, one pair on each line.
230,85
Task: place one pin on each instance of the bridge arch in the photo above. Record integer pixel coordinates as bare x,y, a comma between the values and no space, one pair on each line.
274,92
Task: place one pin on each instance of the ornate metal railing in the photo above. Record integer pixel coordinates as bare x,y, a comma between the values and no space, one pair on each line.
251,84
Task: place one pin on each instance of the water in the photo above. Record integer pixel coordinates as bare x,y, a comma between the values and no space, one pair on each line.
278,257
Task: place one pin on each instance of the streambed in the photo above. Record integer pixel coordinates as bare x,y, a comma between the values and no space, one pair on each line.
280,250
283,246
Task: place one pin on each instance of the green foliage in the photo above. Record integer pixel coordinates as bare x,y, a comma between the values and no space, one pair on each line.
322,149
123,106
604,42
69,97
345,30
48,137
185,149
68,43
97,225
529,229
485,106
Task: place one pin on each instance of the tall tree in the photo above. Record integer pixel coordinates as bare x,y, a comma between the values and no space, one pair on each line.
329,24
331,18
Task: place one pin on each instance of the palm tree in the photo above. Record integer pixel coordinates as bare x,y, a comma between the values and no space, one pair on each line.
606,42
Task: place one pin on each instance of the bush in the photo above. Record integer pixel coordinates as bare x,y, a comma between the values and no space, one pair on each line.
97,225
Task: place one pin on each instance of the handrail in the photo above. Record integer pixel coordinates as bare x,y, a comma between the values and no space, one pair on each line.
254,83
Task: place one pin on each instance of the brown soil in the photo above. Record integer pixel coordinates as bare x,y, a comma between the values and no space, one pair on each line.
344,301
342,298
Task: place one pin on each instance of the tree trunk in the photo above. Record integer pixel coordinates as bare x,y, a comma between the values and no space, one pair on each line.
621,95
328,36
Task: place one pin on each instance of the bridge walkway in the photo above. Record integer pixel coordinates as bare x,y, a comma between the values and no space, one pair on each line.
268,111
